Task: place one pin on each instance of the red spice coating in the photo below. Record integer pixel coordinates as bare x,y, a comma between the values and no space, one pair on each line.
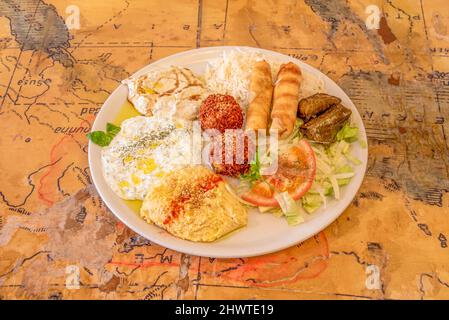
238,166
192,194
220,112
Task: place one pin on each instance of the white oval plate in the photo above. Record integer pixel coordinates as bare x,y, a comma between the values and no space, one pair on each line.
264,232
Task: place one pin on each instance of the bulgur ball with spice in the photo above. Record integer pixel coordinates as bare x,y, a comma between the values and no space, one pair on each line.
220,112
241,152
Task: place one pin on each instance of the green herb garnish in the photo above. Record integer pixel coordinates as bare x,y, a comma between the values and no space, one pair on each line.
100,138
103,138
112,129
253,174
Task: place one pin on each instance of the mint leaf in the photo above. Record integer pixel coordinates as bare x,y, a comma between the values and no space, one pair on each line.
100,138
112,129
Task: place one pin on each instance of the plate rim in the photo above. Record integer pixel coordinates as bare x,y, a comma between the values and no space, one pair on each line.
219,49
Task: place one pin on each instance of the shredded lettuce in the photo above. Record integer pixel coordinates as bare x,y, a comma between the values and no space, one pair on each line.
345,169
323,166
328,191
311,202
335,187
363,143
295,220
296,133
290,208
265,209
348,133
334,168
277,212
344,175
353,159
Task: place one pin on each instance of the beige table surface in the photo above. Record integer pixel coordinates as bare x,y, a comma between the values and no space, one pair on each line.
392,242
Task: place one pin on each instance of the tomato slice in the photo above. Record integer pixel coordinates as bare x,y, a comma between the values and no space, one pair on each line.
295,174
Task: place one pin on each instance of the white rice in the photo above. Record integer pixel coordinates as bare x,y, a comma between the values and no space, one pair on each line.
231,74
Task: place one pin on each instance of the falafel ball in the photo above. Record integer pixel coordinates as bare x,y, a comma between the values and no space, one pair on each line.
220,112
241,153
